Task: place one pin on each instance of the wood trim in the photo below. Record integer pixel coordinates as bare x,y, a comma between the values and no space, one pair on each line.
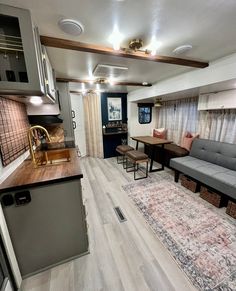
138,55
67,80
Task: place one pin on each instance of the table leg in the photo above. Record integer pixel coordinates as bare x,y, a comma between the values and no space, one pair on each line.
152,158
136,145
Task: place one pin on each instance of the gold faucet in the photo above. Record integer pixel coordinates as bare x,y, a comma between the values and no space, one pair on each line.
30,136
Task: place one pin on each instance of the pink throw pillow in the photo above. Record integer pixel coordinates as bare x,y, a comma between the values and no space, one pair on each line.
187,140
159,134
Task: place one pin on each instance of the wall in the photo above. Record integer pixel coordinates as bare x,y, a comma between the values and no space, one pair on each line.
6,171
78,107
134,127
110,142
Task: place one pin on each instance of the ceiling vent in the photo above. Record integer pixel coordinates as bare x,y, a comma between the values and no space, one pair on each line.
71,26
182,49
106,71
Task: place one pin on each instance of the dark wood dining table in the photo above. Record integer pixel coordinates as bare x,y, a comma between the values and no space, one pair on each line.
152,142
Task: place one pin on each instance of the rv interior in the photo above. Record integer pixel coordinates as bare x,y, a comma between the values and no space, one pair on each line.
117,145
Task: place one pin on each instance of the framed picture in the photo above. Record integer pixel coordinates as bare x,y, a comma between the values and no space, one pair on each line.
114,108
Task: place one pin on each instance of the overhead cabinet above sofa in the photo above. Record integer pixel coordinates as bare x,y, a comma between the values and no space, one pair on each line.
23,67
219,100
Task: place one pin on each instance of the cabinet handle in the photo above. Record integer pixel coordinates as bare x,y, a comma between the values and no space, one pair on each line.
74,124
73,113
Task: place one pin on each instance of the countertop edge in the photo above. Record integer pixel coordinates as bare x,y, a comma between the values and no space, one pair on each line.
41,183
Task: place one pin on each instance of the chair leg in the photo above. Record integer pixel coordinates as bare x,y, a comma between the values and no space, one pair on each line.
120,161
136,170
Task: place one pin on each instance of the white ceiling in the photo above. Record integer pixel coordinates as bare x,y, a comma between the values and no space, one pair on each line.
209,26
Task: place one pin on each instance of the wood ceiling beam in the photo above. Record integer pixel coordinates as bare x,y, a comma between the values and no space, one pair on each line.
138,55
67,80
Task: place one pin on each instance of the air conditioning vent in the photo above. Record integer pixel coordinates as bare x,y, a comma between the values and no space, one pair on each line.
106,71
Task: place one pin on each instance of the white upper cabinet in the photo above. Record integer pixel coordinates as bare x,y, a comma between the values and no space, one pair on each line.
219,100
22,69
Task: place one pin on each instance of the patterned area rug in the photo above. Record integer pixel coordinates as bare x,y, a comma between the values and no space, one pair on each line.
200,237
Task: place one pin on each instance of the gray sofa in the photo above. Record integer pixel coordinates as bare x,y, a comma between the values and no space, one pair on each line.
211,163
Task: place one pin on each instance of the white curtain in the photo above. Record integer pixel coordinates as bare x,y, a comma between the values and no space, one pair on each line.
218,125
93,125
177,117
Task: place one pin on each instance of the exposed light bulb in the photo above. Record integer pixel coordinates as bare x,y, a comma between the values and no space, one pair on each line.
111,81
154,45
83,88
36,100
115,38
97,88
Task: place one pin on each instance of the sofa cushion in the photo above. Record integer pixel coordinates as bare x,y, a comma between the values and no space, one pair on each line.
219,153
160,133
175,150
215,176
188,139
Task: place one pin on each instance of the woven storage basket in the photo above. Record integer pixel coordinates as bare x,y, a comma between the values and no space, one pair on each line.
212,197
231,209
189,184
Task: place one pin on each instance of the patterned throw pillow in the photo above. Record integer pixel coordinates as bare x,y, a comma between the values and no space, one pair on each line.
160,133
187,140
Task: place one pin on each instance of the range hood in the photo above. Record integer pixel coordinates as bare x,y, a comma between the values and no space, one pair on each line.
44,114
44,119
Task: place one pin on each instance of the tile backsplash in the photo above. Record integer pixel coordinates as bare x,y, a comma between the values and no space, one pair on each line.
13,130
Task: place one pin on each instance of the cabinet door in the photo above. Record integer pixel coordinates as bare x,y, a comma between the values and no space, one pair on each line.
19,72
49,76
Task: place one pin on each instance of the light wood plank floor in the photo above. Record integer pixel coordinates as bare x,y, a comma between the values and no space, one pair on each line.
123,256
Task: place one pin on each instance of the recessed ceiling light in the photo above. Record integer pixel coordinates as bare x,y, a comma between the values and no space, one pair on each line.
83,88
35,100
182,49
71,26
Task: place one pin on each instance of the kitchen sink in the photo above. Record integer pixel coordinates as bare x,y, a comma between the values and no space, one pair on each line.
52,153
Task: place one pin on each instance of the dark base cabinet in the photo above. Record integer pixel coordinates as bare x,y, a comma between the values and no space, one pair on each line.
111,141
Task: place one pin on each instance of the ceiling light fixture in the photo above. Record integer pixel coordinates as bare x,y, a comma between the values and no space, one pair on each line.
115,38
97,88
158,103
137,43
111,81
153,46
83,88
35,100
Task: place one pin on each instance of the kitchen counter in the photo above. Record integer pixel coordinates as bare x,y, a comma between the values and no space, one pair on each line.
28,176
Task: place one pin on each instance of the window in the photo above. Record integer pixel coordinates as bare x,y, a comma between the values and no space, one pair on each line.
144,113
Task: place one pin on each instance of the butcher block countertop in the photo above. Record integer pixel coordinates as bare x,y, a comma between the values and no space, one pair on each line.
26,176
